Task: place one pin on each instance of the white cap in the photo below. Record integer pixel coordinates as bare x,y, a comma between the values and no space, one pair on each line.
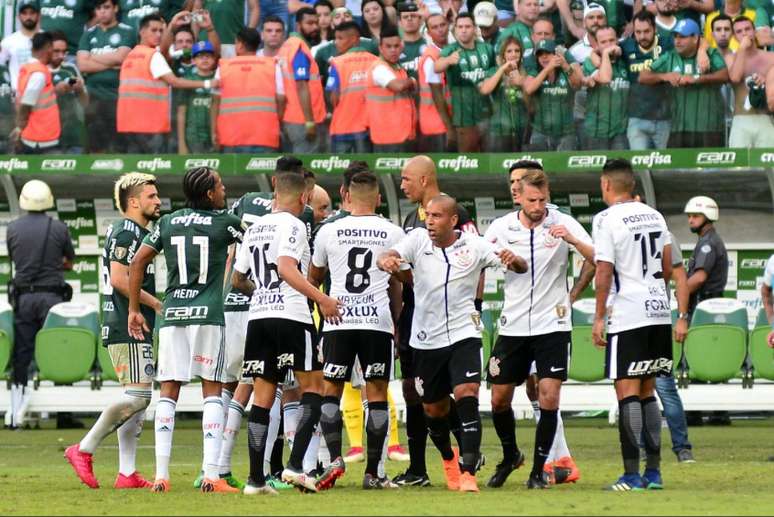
36,197
593,8
703,205
485,14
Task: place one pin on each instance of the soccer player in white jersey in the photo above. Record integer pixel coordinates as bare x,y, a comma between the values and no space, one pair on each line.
280,334
535,324
634,264
349,247
446,328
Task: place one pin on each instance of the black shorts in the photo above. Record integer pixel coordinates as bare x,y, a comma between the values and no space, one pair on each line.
512,357
439,371
406,358
274,345
372,348
640,352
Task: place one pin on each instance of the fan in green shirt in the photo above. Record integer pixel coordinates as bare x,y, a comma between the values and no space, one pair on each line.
68,16
132,11
71,97
101,51
410,32
521,28
697,104
194,110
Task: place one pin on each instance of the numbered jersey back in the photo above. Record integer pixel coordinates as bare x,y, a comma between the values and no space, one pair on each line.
271,236
349,247
632,237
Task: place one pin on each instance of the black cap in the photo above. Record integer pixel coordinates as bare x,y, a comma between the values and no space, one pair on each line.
29,3
408,7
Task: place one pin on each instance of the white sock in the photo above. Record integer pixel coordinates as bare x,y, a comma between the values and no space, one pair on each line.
310,457
273,432
128,435
290,414
113,416
535,409
164,424
559,449
380,470
212,429
230,432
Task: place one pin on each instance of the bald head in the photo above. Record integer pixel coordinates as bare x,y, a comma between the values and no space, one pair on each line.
418,179
320,202
443,203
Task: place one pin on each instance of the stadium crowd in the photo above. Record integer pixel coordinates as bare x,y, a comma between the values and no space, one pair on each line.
200,76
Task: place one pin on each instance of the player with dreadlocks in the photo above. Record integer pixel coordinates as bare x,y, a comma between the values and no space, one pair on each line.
195,243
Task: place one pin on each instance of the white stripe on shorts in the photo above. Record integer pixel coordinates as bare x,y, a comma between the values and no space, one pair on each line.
308,348
614,357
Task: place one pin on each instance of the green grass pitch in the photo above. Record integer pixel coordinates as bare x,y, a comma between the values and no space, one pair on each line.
731,476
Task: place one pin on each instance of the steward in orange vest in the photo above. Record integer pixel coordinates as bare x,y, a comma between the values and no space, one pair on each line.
37,113
305,111
390,101
250,102
347,83
143,91
434,98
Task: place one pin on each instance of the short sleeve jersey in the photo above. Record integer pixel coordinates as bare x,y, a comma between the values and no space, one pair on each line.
275,235
195,245
349,247
133,11
699,107
606,103
554,104
249,208
70,109
67,16
198,104
632,237
536,302
509,108
228,16
409,58
650,102
445,284
711,256
104,85
469,107
122,241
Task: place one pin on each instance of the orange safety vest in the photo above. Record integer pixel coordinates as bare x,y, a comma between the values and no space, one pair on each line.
143,102
430,122
248,102
350,113
43,124
293,112
391,116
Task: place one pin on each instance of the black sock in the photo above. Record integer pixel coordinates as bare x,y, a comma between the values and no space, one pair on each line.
505,427
544,439
310,416
330,424
455,425
257,430
439,433
651,423
377,427
416,432
629,431
470,421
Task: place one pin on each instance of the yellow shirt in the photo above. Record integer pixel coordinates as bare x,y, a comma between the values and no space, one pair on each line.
733,45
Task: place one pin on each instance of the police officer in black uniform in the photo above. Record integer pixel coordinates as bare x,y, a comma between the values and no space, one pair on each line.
41,250
708,266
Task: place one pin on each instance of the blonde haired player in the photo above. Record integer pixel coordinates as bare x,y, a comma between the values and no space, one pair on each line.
138,201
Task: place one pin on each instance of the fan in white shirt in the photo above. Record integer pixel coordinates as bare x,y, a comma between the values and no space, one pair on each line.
446,329
634,264
17,47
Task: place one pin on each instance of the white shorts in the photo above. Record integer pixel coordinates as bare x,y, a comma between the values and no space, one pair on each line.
236,330
192,351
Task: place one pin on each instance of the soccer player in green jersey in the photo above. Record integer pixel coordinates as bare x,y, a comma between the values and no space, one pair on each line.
465,63
195,243
194,113
138,201
608,94
71,96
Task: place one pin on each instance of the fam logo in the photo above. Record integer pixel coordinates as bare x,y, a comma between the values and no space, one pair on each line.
592,161
716,158
212,163
58,165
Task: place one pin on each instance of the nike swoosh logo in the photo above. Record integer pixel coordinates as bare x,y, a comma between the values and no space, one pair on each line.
471,374
428,252
556,369
512,242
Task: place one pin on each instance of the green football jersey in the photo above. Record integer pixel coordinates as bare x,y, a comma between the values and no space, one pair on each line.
606,104
133,11
68,16
650,102
7,109
228,17
469,107
195,245
70,109
104,85
509,109
409,58
122,241
198,104
699,107
519,31
249,208
553,105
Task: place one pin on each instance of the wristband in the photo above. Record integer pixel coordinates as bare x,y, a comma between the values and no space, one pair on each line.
683,316
478,303
207,84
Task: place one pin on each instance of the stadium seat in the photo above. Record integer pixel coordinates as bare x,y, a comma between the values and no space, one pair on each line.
588,361
716,345
6,337
66,346
761,355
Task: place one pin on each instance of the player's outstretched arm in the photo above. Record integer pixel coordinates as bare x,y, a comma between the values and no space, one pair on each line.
136,322
390,261
242,282
287,267
603,279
